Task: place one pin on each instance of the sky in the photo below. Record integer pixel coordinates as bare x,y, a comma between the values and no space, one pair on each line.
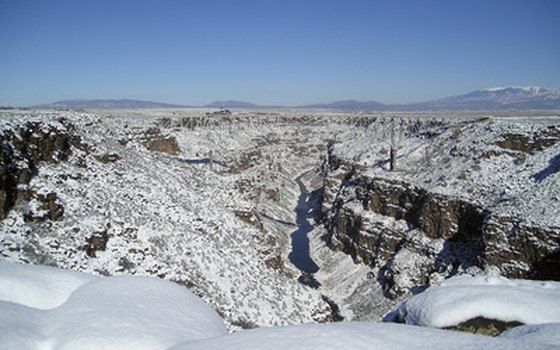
273,52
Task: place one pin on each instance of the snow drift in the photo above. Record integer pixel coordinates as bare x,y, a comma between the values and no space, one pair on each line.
126,312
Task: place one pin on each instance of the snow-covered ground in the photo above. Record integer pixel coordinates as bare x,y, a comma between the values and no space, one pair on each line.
223,231
43,308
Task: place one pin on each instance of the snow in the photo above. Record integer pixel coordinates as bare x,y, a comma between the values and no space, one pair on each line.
39,287
134,312
358,335
126,312
510,94
546,333
103,313
465,297
530,88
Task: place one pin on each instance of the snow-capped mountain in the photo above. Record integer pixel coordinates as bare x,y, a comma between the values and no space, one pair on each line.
514,97
510,97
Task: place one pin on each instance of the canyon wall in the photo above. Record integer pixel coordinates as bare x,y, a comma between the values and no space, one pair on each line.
413,236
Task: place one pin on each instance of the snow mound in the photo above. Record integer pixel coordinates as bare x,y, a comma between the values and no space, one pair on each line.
465,297
121,312
39,287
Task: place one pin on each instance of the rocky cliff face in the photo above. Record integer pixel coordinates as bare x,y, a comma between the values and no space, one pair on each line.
413,236
22,150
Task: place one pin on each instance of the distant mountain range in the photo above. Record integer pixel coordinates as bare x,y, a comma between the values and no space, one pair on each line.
232,104
348,105
498,98
106,104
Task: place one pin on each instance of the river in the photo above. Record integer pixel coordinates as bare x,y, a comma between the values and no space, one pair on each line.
299,255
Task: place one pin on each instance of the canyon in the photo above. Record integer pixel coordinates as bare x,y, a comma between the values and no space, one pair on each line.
282,217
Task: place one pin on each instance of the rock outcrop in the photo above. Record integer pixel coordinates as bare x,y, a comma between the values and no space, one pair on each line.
530,143
155,141
23,149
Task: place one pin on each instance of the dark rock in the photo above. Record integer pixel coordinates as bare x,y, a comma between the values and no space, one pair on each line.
155,141
309,280
250,217
335,310
244,323
22,152
485,326
9,175
547,268
108,158
97,241
247,160
50,208
531,143
165,145
275,262
435,215
126,265
516,247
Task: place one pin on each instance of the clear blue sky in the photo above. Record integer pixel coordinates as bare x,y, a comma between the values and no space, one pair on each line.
273,51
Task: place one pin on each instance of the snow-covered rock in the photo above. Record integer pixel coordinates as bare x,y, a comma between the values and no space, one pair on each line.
138,196
462,298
